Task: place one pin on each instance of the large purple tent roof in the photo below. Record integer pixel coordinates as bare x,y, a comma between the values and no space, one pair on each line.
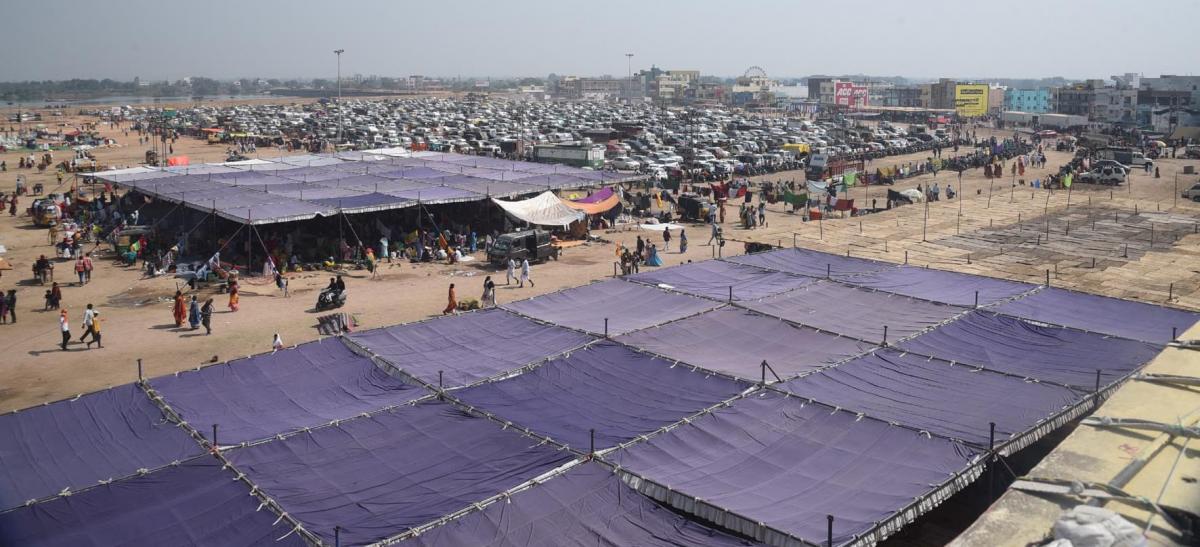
855,312
1134,320
811,263
468,348
1014,346
932,395
76,443
736,342
627,306
194,503
378,476
775,460
583,507
714,278
278,392
941,286
608,388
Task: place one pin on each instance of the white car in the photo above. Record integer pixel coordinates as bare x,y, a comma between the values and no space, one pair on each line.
624,162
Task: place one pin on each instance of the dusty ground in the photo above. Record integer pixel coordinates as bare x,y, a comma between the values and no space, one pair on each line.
137,312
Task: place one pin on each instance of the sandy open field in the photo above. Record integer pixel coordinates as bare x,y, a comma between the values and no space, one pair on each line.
1144,244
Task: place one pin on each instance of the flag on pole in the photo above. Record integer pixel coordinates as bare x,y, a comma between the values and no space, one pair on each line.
795,199
850,179
1067,180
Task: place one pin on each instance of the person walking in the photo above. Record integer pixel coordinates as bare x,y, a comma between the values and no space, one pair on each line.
64,326
452,302
276,342
95,330
713,236
80,271
682,241
88,316
234,298
11,302
525,273
194,313
666,239
3,308
179,311
512,270
206,312
489,292
87,268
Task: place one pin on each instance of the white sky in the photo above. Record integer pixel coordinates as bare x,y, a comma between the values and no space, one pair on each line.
169,39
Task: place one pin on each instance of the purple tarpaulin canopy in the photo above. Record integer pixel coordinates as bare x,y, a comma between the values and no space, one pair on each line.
278,392
366,202
1133,320
627,306
1008,344
778,461
932,395
941,286
811,263
468,347
713,278
735,342
583,507
194,503
78,442
610,388
378,476
597,197
855,312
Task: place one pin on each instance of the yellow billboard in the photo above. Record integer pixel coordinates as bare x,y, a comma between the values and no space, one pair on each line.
971,100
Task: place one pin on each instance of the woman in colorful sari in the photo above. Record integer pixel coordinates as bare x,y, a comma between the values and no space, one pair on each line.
233,296
180,309
194,313
452,304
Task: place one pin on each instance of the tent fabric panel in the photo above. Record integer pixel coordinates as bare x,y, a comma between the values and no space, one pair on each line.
1133,320
1015,346
193,503
858,313
563,511
278,392
811,263
434,194
627,307
76,443
788,464
545,209
931,395
736,342
594,207
380,475
615,391
713,279
942,286
366,202
468,347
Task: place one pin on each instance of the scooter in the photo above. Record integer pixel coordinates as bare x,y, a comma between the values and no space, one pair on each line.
330,298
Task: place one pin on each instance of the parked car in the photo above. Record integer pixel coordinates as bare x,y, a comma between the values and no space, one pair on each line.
1193,193
534,245
1103,175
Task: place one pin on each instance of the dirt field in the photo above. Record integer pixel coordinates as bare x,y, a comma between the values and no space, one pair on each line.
1019,235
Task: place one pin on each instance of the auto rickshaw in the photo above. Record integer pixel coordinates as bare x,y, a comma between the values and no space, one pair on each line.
123,245
45,212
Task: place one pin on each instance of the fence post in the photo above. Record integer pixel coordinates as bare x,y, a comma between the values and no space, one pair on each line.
139,369
991,461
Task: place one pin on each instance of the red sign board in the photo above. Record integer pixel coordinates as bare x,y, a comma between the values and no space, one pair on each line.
849,94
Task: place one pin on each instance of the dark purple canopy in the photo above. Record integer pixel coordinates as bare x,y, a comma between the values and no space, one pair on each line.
194,503
600,195
941,286
1133,320
278,392
607,387
564,512
469,347
378,476
811,263
855,312
932,395
713,278
76,443
778,461
735,342
1008,344
627,306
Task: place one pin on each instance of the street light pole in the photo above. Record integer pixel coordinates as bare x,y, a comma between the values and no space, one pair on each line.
339,53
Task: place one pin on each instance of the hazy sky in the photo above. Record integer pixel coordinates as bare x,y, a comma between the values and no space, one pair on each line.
58,39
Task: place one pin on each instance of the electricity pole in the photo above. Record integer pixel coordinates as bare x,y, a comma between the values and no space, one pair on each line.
339,53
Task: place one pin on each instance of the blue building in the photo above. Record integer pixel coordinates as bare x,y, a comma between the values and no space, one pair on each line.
1028,100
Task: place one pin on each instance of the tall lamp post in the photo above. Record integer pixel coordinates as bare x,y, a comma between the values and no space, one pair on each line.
339,53
629,75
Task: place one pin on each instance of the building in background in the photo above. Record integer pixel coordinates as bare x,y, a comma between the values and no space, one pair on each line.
1078,98
1034,101
910,96
941,94
1168,102
816,85
996,99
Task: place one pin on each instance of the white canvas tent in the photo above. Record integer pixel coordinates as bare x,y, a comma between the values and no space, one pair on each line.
544,209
